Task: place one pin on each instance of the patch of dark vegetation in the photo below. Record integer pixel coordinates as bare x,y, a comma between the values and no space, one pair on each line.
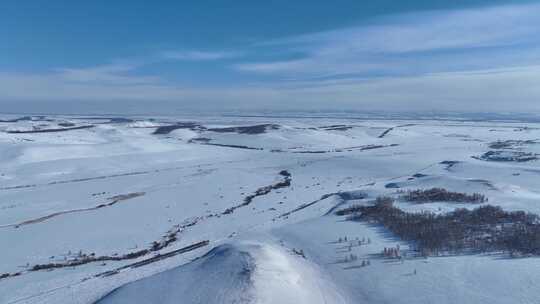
232,146
392,186
306,205
252,130
286,182
120,120
83,258
299,252
312,152
108,120
420,175
9,275
507,156
348,149
18,187
449,164
156,258
509,144
24,118
483,182
383,134
66,124
50,130
27,118
504,151
371,147
344,196
200,139
285,173
421,196
456,135
336,128
351,195
310,128
354,209
462,231
181,125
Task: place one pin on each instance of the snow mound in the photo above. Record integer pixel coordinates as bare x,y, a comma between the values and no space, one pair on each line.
244,272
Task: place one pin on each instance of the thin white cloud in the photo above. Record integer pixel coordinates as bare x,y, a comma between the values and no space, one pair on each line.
451,29
513,90
497,90
415,43
113,74
199,55
125,71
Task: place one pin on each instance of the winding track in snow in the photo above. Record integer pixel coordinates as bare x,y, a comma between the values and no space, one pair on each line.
115,199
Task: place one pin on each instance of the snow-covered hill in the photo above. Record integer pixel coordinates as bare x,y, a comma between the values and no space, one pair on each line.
234,273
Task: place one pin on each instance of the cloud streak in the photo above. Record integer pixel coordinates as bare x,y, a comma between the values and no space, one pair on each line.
414,44
495,90
113,74
199,55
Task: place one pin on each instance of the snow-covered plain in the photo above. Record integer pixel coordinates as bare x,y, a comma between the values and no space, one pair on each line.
113,187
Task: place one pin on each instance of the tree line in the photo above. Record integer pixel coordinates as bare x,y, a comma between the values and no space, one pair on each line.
484,229
442,195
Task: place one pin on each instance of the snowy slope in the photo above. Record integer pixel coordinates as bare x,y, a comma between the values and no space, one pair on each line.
234,273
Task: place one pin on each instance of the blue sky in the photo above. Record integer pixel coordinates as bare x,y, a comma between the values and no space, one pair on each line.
109,56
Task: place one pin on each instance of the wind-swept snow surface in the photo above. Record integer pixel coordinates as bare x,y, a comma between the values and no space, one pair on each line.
243,210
